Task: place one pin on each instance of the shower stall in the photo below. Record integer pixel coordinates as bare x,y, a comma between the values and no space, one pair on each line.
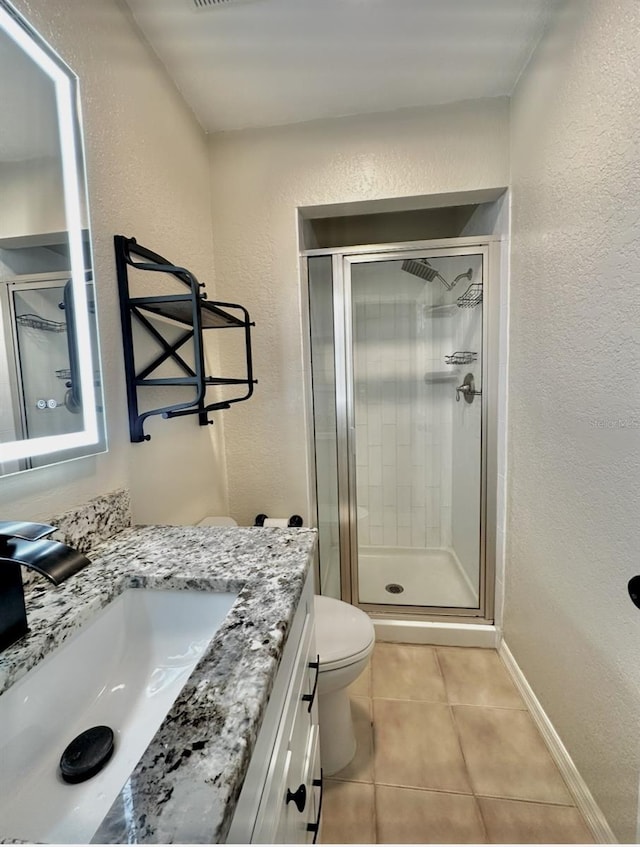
401,383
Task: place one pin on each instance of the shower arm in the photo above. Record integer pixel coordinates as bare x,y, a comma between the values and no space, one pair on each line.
468,275
447,285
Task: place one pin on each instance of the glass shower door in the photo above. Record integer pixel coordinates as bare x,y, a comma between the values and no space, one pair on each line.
323,372
415,410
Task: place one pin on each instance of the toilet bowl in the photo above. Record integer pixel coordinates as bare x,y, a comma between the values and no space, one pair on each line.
345,638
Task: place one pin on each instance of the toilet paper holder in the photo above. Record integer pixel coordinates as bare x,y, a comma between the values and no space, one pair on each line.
294,520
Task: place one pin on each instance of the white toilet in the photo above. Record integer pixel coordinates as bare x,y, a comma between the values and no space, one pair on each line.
345,638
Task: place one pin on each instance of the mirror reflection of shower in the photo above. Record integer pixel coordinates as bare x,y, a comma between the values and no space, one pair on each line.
35,340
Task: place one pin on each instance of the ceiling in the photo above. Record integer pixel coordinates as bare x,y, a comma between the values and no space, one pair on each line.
251,63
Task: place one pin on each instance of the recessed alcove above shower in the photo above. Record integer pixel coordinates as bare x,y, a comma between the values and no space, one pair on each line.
402,219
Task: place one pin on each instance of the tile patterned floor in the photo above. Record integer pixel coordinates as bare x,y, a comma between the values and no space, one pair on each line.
447,754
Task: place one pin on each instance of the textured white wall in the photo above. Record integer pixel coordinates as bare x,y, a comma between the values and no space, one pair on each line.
147,167
574,410
259,178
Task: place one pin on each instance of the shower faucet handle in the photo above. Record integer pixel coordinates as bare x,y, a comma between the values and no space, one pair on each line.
467,389
461,389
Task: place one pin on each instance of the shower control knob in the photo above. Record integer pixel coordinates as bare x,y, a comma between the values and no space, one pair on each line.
41,404
52,404
467,389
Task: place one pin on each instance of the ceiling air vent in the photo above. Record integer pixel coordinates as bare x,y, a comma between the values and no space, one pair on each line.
204,5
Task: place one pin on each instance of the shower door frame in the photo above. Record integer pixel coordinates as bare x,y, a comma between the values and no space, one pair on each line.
342,261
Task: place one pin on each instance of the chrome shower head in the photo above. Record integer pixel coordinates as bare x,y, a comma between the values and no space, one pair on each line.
421,268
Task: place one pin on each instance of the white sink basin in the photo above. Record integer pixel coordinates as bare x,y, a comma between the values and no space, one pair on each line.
123,669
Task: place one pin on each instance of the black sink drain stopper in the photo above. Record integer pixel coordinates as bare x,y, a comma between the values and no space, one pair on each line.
87,754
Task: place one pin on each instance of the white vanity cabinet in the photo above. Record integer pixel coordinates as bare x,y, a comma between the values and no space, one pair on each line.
281,799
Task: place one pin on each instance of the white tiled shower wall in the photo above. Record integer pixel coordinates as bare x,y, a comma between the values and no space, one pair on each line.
414,443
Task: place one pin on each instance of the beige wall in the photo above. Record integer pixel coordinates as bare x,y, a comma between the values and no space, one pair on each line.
574,411
32,200
259,178
147,170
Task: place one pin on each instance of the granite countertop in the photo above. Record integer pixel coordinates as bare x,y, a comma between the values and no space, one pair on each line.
185,787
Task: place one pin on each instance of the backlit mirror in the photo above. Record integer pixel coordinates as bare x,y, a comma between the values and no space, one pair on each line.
50,387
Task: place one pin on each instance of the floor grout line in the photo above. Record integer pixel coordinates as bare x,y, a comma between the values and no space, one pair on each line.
456,729
422,788
483,821
375,816
373,759
445,703
526,800
442,676
430,790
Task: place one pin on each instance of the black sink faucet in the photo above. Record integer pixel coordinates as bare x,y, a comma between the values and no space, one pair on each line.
24,544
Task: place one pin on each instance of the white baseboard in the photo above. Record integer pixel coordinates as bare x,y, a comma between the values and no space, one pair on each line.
584,799
430,632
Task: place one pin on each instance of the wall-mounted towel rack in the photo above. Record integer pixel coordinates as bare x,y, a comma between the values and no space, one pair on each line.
189,309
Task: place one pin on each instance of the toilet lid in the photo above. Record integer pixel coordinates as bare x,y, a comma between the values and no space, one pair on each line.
342,630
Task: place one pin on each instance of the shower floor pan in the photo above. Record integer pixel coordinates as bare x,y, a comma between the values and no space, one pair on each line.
428,577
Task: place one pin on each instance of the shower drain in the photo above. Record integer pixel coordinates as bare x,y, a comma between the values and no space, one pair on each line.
394,588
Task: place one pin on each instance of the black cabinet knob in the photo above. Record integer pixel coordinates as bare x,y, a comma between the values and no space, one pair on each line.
634,590
299,797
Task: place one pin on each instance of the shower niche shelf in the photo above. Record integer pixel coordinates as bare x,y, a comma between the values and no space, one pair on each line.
190,311
34,321
461,357
472,296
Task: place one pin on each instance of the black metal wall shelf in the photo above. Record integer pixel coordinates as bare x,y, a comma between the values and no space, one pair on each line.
190,309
